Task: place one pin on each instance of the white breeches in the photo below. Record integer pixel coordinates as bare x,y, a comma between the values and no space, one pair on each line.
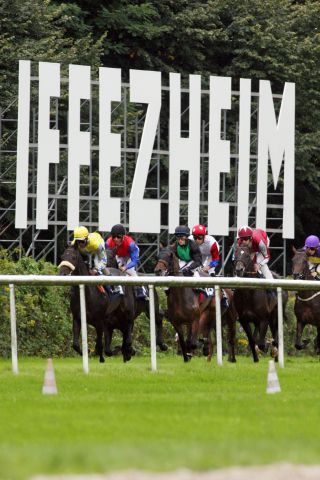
122,261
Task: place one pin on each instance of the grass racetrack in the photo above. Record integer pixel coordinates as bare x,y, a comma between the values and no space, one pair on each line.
122,416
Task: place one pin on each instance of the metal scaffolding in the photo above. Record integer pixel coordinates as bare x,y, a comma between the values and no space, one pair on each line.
127,119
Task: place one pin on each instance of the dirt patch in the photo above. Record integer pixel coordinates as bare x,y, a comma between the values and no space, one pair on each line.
283,471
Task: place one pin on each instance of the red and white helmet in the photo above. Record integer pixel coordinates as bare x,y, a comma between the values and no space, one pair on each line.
244,232
199,230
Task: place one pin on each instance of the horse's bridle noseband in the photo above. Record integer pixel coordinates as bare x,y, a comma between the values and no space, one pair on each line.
67,264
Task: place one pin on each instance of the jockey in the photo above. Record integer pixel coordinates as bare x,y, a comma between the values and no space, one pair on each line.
209,249
258,241
127,255
93,244
187,251
312,248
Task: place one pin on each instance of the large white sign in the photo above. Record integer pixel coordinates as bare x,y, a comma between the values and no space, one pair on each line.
275,144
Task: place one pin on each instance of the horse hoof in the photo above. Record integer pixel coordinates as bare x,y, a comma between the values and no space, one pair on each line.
232,360
205,351
108,353
299,346
77,349
101,360
188,357
163,347
256,360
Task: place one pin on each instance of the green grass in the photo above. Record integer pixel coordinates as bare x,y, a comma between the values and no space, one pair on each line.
122,416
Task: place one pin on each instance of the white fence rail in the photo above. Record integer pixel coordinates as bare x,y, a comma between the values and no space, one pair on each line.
216,282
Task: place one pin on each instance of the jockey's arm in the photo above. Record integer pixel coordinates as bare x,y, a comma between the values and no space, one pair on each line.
100,259
134,256
195,256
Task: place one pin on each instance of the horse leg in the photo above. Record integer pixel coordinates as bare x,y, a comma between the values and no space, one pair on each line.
300,327
231,325
127,350
246,327
108,331
275,337
317,341
99,344
159,332
262,329
186,356
76,328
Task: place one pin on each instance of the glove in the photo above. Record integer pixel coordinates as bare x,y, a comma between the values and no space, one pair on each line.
187,273
212,274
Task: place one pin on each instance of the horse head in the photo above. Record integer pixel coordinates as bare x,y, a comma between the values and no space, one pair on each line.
72,262
164,264
300,266
243,263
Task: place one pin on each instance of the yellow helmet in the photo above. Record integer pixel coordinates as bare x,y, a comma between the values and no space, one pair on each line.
80,233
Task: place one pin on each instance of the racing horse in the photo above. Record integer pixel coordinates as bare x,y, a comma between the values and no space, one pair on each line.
256,306
183,303
207,324
307,303
98,305
140,305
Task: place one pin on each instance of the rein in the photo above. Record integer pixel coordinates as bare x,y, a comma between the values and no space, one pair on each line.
309,298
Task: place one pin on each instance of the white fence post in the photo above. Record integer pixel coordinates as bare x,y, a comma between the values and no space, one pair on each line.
280,328
218,325
84,334
13,322
153,343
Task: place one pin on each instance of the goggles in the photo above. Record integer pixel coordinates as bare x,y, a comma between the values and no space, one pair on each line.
117,236
198,237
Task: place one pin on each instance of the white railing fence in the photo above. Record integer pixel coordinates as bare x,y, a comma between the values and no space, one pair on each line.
152,282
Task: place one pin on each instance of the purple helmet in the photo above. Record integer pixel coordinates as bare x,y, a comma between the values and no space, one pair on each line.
312,241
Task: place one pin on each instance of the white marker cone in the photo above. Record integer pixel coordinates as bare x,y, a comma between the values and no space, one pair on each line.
273,385
49,385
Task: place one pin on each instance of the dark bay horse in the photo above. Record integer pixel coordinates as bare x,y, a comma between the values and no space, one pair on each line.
307,304
99,307
97,302
207,324
183,303
255,306
140,305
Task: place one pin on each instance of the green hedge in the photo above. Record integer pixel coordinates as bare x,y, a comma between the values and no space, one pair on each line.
44,322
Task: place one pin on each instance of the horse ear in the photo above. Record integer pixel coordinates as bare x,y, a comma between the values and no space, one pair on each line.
294,249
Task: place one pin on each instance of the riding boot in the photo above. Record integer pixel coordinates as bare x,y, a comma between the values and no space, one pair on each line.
224,299
114,291
141,292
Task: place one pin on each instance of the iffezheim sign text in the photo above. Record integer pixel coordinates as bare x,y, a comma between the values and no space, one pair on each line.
275,141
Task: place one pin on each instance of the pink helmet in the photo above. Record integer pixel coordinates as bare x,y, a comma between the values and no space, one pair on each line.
199,230
244,232
312,241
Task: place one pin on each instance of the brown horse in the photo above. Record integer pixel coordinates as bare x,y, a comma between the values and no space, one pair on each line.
183,303
140,305
256,306
207,324
97,302
307,304
99,307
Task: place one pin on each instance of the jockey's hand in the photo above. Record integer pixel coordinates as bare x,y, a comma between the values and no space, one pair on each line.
206,268
122,268
256,267
187,273
93,271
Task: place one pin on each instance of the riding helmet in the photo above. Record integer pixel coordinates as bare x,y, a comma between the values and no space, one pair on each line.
118,230
199,230
182,231
312,241
80,233
244,232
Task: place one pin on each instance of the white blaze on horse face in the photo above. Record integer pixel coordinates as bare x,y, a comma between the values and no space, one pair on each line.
78,142
109,146
48,139
184,152
23,144
145,87
276,141
219,155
